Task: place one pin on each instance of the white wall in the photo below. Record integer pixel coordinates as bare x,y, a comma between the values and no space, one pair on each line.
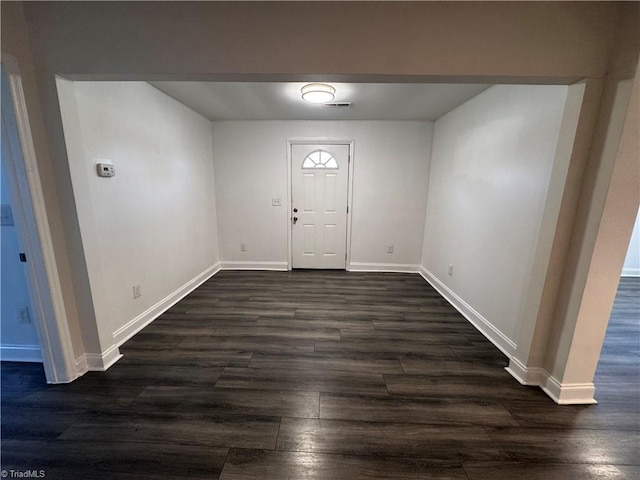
19,341
154,223
490,169
632,261
389,189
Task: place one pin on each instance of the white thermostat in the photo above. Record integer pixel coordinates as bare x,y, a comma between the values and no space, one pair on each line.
106,170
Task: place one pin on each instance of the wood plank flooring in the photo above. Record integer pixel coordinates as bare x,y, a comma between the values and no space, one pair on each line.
322,375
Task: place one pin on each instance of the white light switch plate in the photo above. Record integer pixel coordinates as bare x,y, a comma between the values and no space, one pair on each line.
6,216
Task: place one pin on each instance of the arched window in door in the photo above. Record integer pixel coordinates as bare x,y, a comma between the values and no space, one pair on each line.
319,159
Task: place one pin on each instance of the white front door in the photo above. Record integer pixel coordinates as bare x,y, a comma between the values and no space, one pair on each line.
320,175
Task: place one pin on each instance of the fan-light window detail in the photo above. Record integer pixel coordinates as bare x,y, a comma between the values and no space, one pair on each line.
319,159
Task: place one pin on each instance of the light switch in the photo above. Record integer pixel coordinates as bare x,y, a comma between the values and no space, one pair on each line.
276,201
6,215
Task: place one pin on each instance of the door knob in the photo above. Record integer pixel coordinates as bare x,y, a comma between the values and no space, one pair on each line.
295,219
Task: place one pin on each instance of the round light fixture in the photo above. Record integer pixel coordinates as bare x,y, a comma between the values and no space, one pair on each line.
318,93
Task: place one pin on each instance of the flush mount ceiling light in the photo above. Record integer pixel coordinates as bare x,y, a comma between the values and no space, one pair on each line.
318,93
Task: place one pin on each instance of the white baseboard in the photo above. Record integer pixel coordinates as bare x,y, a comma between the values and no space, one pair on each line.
569,393
525,375
82,366
562,394
382,267
352,267
241,265
102,361
631,272
495,336
91,362
127,331
20,353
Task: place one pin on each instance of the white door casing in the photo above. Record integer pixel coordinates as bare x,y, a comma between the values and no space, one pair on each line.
45,290
319,193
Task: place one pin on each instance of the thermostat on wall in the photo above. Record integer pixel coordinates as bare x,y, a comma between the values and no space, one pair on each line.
106,170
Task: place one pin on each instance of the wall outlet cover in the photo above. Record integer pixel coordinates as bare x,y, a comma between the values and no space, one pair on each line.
105,170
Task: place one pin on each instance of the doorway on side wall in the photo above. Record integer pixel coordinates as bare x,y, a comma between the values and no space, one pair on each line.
20,172
20,342
320,174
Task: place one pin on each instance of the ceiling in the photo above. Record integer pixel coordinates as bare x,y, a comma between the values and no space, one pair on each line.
281,100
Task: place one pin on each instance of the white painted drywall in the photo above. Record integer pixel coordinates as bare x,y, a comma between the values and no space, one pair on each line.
632,261
154,223
490,170
389,187
19,341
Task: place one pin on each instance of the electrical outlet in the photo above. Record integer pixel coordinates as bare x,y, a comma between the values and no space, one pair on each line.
243,247
389,248
450,270
105,169
137,291
276,201
23,315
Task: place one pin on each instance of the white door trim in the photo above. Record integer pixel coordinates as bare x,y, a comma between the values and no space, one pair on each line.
43,282
313,141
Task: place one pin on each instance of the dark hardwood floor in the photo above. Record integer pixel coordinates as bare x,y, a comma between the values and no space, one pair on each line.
322,375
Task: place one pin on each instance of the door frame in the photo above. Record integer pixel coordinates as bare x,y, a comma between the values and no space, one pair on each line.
43,282
320,141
